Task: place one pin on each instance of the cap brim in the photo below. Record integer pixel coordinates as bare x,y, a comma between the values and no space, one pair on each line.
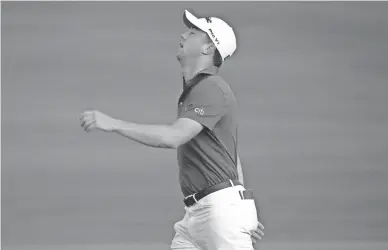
192,21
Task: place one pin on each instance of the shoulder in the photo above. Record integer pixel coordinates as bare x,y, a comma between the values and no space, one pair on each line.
221,83
213,84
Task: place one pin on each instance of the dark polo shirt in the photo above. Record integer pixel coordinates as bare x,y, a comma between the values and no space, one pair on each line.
210,157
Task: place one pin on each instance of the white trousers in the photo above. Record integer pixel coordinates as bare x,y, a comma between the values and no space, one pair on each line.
220,221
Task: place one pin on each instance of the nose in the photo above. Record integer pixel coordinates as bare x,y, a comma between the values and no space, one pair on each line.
185,35
183,39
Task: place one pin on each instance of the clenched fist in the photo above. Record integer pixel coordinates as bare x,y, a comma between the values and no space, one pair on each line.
96,120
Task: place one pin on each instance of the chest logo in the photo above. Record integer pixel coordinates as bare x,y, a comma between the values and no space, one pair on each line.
199,111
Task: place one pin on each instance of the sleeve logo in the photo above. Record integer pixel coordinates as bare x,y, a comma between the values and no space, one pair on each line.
199,111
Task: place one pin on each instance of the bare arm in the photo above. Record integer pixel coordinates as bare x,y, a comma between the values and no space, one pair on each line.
161,136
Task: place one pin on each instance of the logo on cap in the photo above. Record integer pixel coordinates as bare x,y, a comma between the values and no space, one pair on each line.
214,36
208,19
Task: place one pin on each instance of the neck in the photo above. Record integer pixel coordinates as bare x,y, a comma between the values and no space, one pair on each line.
190,70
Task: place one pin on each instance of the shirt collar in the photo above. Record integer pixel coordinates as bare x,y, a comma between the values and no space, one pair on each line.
213,70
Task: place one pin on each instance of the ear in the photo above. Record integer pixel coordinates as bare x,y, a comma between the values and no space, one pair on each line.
208,49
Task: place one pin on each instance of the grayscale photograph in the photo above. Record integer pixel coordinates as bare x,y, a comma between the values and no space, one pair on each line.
194,125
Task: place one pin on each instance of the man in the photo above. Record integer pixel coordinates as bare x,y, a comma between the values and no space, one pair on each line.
220,212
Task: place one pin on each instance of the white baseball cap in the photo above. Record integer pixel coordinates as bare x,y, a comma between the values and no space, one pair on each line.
219,32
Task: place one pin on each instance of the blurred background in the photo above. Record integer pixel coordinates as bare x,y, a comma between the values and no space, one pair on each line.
311,81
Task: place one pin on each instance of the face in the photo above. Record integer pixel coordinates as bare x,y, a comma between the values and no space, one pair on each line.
193,42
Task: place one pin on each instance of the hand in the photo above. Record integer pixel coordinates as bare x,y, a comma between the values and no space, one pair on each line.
257,234
96,120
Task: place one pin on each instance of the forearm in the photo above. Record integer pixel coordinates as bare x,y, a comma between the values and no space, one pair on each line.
158,136
239,171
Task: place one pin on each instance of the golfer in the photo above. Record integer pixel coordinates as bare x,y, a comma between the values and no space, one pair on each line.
220,212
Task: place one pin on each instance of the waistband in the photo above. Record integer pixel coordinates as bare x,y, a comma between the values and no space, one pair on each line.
194,198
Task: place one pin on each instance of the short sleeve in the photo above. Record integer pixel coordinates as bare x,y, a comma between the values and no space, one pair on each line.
206,104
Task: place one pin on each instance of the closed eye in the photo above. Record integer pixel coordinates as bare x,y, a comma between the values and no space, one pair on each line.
188,33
